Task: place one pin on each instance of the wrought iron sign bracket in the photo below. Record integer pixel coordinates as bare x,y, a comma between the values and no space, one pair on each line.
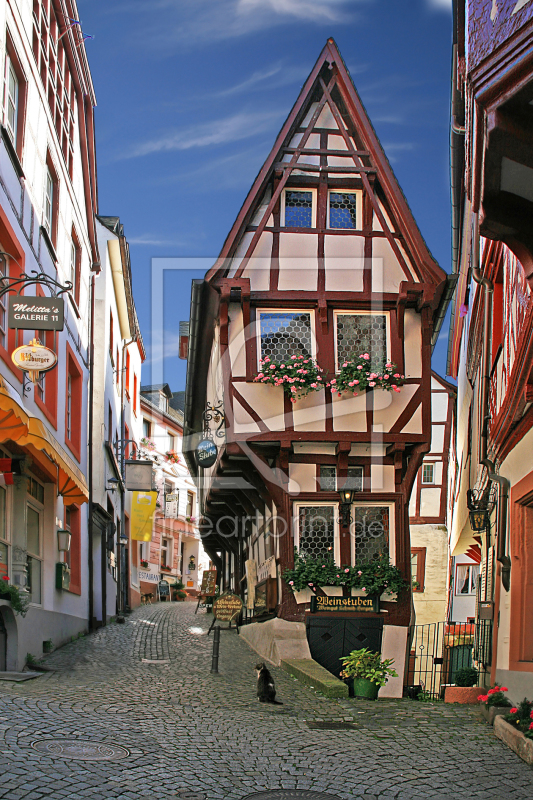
12,284
215,414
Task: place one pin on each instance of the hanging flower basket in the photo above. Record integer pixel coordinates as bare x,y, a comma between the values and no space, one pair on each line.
147,444
297,375
173,457
363,373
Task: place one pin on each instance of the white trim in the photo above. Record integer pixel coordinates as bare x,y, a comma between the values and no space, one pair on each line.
309,311
336,531
313,204
360,313
358,209
392,527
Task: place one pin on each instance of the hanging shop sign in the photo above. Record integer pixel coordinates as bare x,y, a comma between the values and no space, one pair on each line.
139,475
209,582
142,512
206,453
34,358
36,313
227,607
364,603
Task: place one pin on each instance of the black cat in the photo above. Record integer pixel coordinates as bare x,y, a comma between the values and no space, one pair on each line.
266,690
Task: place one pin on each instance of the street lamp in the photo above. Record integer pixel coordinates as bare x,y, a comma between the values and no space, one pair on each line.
346,495
479,519
63,541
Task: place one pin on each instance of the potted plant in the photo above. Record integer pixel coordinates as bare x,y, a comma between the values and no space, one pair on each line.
465,689
173,457
296,374
364,373
19,600
178,592
494,703
365,670
166,568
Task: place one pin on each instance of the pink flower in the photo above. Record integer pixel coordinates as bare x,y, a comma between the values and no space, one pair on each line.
283,366
366,356
396,374
338,576
334,381
359,366
265,359
504,689
372,383
531,715
293,389
306,361
272,366
5,578
373,375
388,365
319,378
347,569
531,727
356,382
363,588
359,573
293,357
514,711
386,377
345,364
309,584
291,583
396,389
313,385
482,698
293,399
351,383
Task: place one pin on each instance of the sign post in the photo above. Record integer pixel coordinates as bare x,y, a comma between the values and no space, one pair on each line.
226,608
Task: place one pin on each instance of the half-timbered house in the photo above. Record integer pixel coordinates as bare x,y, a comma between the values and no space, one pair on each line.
325,266
490,350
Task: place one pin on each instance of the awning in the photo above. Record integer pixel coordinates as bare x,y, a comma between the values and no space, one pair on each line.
19,425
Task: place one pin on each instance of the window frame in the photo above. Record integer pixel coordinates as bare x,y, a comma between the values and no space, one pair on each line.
336,525
360,313
5,539
314,203
75,373
50,172
392,526
472,591
38,507
358,209
432,481
191,502
13,60
420,552
75,268
260,311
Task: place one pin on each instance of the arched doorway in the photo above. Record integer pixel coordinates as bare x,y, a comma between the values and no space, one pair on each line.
8,640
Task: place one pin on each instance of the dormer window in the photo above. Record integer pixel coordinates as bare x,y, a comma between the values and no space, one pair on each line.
345,210
284,334
298,208
163,402
358,332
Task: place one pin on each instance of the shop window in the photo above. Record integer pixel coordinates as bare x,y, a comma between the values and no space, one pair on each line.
344,210
298,208
284,334
14,97
316,531
371,532
360,332
34,553
466,577
428,473
418,568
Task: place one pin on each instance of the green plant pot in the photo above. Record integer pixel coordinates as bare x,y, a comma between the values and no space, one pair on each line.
365,689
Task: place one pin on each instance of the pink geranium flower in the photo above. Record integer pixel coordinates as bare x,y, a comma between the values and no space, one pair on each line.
371,383
347,569
334,381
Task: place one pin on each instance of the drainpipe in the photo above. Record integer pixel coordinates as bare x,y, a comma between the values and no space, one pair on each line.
503,483
122,589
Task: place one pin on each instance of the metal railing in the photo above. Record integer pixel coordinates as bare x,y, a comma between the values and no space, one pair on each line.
439,649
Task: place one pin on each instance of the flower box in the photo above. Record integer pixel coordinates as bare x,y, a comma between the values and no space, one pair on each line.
514,739
332,591
304,596
491,712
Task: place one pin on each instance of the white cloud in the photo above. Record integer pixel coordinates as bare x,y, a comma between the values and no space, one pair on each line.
223,131
154,241
442,4
187,22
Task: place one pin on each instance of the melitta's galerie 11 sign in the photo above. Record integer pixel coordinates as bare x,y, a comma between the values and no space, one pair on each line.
34,358
36,313
364,603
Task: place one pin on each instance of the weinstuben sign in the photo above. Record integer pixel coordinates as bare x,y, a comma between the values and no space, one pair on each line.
344,604
36,313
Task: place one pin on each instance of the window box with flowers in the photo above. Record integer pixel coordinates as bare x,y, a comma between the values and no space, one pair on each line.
144,563
296,374
364,373
172,457
376,577
165,568
147,444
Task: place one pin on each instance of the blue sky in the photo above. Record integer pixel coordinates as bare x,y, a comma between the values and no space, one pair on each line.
191,94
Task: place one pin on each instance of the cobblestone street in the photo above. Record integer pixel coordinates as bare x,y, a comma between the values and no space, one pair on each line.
193,735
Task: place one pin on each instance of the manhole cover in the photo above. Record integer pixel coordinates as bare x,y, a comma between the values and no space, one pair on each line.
84,751
331,726
289,794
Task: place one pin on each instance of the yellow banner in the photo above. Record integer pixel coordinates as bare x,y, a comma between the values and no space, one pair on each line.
142,512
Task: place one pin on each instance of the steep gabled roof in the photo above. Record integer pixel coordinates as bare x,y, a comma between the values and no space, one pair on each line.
330,86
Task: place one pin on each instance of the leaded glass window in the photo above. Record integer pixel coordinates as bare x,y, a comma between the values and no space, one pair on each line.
328,478
371,532
355,479
316,529
285,334
361,333
298,209
342,210
428,473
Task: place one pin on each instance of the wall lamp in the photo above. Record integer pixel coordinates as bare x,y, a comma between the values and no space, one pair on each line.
479,519
346,495
63,541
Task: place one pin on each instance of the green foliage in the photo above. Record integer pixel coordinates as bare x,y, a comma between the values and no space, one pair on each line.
297,375
522,717
364,373
177,585
375,576
495,697
180,594
19,600
368,665
466,677
31,661
426,697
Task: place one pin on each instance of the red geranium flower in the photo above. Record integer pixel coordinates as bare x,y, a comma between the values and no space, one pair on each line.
514,711
483,698
5,578
504,689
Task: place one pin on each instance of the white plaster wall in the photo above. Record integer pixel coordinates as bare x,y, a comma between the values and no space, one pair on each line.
412,345
349,412
344,261
309,412
237,341
302,478
298,261
394,645
382,478
387,273
429,502
267,402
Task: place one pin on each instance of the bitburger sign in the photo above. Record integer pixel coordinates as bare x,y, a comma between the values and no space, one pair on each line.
34,358
36,313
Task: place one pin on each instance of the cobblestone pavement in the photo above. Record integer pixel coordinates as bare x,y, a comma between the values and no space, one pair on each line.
196,736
